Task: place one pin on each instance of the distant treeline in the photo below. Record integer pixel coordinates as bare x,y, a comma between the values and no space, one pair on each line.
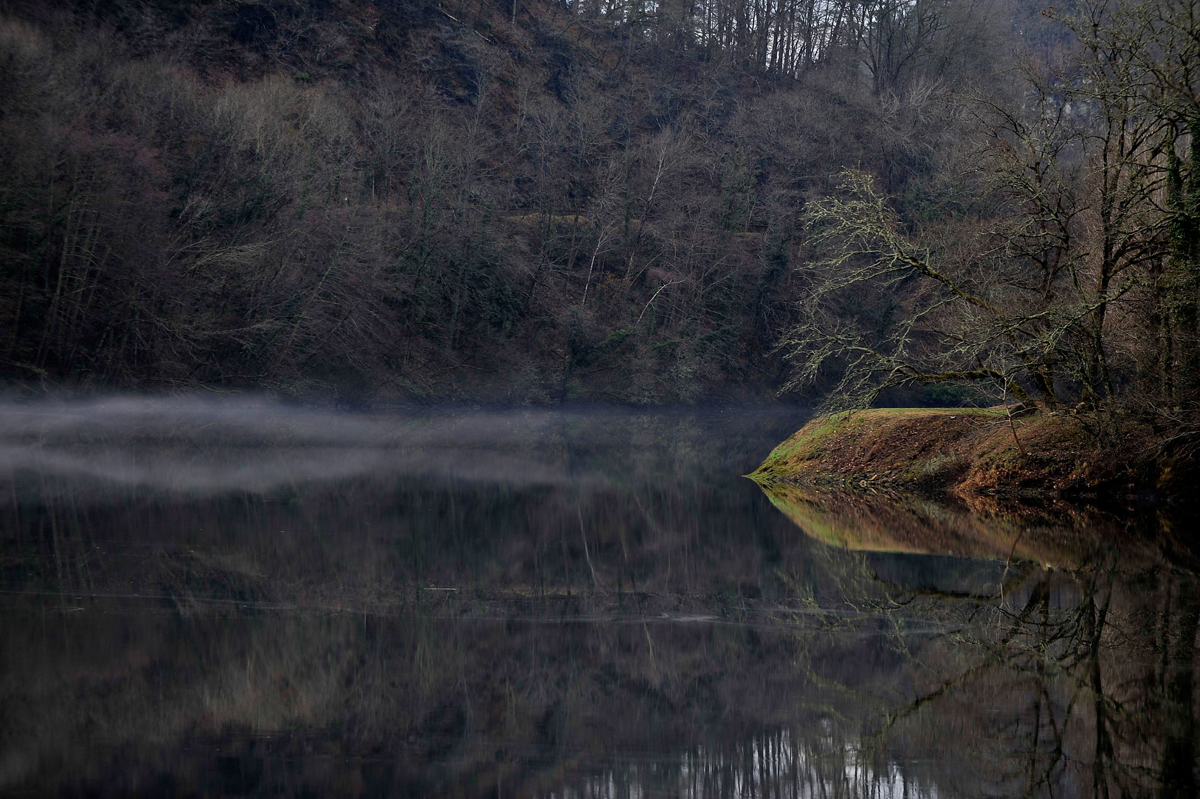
525,200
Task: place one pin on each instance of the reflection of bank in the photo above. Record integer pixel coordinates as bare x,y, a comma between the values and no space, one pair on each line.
1073,669
1061,537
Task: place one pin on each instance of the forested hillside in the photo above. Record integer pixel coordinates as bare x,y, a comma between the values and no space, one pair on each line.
531,201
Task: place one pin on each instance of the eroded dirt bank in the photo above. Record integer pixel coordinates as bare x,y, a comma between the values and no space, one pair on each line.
977,451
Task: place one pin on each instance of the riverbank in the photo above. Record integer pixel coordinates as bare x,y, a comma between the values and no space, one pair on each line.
976,451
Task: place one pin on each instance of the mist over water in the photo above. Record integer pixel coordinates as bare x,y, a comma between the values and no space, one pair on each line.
209,446
239,597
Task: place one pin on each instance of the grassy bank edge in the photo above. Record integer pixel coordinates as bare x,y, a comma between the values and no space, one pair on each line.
975,451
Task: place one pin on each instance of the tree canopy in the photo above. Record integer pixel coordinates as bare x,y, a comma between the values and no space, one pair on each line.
932,201
1065,270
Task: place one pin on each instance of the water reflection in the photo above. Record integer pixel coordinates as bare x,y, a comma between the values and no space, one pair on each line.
767,764
1071,674
556,604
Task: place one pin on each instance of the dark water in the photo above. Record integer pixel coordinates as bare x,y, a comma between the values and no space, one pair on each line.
226,599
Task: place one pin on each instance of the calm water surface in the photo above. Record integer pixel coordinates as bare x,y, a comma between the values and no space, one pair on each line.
245,599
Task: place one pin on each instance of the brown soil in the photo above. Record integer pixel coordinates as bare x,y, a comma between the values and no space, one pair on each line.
970,452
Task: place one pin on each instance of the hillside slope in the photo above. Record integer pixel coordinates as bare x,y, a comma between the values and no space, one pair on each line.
520,202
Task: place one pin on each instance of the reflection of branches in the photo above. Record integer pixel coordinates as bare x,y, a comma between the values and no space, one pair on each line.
1053,651
1000,657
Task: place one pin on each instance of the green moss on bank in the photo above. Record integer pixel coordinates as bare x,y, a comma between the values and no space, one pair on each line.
967,451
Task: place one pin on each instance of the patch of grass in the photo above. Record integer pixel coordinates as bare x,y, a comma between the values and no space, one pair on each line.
801,444
823,435
967,451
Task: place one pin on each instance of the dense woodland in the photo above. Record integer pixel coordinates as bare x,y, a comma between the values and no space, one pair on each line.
531,201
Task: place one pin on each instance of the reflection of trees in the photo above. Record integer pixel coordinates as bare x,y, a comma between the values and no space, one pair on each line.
1092,695
1076,680
1177,689
646,634
157,621
792,761
1068,684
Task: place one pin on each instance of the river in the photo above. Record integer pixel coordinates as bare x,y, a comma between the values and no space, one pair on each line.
244,598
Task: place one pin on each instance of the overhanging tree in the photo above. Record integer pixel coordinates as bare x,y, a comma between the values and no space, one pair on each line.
1039,289
890,308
